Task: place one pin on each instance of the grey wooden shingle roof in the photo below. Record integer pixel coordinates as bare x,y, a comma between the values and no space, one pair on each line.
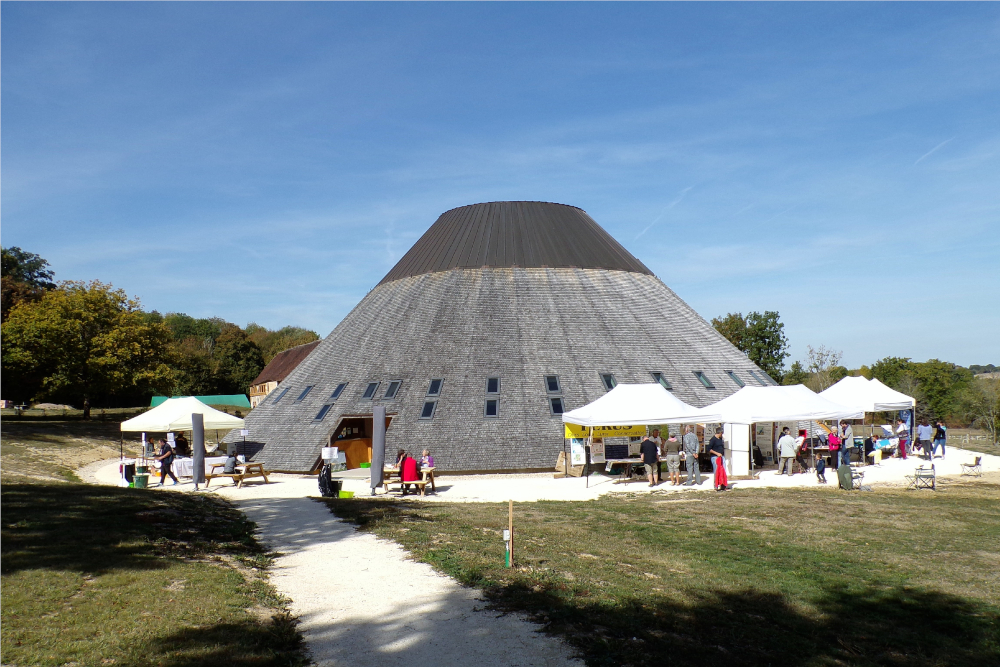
518,324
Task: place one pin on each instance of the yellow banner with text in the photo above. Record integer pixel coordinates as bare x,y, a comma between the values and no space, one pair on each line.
574,431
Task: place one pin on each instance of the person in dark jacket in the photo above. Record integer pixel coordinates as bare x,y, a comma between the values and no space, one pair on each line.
166,459
717,448
650,457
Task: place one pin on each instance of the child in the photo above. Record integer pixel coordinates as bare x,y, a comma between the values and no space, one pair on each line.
821,470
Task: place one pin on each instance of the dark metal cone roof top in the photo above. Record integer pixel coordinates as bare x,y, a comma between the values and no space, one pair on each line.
525,234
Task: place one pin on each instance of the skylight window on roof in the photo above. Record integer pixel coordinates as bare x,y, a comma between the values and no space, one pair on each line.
338,391
658,377
704,380
735,378
492,385
280,395
305,392
322,412
552,384
435,388
556,406
609,381
492,408
370,390
428,410
393,389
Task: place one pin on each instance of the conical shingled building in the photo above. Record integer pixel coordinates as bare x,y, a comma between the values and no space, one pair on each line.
501,316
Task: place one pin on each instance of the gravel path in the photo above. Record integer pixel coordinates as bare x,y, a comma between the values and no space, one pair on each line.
362,602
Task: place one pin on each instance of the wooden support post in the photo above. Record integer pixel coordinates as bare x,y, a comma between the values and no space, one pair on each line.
510,527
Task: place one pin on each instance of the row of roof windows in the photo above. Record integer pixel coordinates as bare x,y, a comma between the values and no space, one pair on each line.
491,408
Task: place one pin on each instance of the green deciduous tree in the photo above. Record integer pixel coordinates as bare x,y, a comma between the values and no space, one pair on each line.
796,374
82,342
759,336
889,370
273,342
238,360
25,277
941,384
980,400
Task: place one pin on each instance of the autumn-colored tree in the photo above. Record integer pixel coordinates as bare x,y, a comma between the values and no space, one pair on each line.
81,342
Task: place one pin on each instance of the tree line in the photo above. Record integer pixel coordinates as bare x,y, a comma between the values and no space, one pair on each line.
91,344
943,390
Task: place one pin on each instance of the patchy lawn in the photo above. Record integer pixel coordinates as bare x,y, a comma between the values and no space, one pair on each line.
762,577
95,575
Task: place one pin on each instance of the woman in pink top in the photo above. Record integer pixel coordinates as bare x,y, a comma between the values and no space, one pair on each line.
834,442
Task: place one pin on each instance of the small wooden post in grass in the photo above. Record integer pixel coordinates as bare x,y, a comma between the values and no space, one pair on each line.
510,527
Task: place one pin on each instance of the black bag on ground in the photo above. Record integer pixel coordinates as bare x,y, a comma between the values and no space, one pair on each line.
325,483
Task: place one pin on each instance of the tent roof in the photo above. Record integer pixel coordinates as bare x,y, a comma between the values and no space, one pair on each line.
174,414
236,400
867,395
775,404
629,404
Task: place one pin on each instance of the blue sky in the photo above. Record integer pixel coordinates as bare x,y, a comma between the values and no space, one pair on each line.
838,163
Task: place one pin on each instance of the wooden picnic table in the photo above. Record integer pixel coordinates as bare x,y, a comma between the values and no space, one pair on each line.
244,472
426,473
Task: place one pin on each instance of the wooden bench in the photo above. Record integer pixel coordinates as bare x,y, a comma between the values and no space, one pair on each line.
420,483
249,471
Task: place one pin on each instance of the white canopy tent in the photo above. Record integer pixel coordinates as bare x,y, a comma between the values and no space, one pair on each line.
633,404
174,414
867,395
775,404
751,405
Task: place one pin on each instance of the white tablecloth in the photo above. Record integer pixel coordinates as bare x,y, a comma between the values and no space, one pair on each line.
182,466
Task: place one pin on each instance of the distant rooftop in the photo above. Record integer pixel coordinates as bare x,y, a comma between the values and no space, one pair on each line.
284,363
526,234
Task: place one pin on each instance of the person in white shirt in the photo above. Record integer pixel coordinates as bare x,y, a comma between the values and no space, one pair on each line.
903,433
786,451
924,431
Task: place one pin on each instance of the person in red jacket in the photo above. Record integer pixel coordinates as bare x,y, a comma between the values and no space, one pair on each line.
409,471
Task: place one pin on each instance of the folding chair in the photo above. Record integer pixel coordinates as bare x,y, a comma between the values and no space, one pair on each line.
923,478
975,468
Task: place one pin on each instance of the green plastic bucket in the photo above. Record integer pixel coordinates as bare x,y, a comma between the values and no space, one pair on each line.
141,480
346,494
366,465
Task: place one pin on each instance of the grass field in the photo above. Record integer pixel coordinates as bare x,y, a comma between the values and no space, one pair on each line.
763,577
97,575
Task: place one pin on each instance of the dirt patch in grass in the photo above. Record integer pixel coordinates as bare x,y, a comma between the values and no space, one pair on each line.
50,451
773,576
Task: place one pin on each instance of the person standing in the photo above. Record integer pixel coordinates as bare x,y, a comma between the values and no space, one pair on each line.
940,437
650,458
833,441
658,441
691,447
673,451
924,438
717,448
801,448
846,442
786,451
166,459
903,433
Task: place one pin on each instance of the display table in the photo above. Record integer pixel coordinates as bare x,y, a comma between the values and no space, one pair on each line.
183,467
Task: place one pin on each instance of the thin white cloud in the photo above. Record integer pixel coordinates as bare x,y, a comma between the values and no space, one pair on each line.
669,206
933,150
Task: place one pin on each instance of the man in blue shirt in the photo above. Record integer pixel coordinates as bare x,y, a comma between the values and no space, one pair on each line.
717,448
